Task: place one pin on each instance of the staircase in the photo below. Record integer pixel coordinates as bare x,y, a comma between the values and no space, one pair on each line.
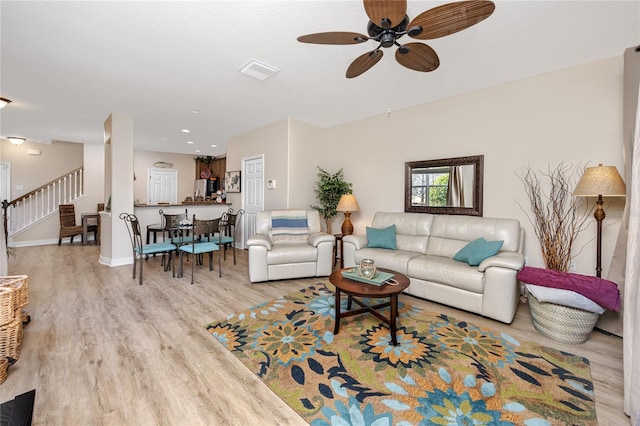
42,202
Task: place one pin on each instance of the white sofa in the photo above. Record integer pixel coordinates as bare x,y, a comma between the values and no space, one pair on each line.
426,244
299,253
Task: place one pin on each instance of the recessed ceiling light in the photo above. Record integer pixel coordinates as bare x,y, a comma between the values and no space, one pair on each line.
185,131
195,111
214,146
190,142
197,150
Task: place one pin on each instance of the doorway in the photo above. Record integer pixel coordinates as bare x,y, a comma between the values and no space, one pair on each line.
253,194
163,186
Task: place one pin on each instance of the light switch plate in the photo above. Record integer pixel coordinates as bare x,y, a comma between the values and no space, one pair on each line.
271,184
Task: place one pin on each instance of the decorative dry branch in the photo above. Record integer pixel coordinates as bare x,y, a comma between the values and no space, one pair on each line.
558,217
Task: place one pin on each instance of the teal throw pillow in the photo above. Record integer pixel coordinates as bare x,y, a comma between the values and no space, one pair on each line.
382,238
477,251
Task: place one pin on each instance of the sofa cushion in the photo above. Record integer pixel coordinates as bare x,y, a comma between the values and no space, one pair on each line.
289,227
292,254
446,271
412,229
396,260
382,238
477,251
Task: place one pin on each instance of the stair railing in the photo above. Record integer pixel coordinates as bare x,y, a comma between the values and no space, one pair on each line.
41,202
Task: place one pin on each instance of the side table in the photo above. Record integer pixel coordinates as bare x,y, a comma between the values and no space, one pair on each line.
335,251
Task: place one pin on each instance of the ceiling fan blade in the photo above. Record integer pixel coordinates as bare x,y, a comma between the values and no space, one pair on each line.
363,63
449,19
418,57
386,13
334,38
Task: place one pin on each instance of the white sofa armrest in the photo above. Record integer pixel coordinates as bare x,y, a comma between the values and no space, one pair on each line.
320,237
351,244
358,241
508,260
260,240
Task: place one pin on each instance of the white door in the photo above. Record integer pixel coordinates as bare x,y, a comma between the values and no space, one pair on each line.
253,193
163,186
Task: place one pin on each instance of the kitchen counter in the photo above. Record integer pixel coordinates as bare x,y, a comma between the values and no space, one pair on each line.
192,203
150,214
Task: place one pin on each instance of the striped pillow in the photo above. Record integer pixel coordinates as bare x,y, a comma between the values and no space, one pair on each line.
289,227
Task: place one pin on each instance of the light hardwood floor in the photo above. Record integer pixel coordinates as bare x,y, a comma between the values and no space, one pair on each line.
102,350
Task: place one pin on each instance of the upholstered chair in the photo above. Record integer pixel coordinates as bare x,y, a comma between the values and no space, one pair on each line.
289,244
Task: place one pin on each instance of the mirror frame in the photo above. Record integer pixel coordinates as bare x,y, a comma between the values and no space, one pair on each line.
476,160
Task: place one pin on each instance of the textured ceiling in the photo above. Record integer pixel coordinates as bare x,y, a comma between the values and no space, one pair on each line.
68,65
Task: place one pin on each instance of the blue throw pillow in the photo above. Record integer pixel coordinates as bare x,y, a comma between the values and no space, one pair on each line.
382,238
477,251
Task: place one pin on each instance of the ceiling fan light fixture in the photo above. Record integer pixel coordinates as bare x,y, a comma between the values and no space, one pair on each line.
414,31
387,39
4,102
385,23
16,140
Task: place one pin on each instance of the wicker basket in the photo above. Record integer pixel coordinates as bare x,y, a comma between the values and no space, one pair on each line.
561,323
20,283
4,367
11,339
7,305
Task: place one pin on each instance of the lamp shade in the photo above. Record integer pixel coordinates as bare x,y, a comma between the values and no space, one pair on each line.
600,180
348,203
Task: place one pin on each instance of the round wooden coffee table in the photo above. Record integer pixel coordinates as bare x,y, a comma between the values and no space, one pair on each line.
355,289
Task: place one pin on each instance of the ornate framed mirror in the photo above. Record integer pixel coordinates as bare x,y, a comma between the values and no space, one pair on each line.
445,186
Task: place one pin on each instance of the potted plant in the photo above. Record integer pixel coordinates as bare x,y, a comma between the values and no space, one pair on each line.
558,217
329,189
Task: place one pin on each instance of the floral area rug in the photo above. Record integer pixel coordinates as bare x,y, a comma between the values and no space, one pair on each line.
443,371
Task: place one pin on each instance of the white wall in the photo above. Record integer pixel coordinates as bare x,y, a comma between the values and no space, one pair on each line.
46,232
572,116
28,172
183,163
272,141
306,142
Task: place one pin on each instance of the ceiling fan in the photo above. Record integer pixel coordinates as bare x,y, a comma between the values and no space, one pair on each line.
388,22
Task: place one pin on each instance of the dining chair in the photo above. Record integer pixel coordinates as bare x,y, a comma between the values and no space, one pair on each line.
202,242
68,226
141,251
171,222
229,228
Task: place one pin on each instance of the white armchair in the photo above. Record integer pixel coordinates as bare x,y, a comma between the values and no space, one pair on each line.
289,244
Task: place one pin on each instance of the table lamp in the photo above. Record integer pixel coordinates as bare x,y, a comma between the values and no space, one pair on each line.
600,181
347,204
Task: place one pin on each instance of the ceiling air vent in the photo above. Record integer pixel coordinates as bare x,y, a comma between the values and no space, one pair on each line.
256,69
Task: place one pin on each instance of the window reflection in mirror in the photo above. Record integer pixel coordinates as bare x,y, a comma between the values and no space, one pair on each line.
445,186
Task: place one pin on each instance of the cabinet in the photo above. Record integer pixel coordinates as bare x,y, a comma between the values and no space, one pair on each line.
217,168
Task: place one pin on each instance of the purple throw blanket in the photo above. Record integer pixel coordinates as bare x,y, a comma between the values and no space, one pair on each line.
604,293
